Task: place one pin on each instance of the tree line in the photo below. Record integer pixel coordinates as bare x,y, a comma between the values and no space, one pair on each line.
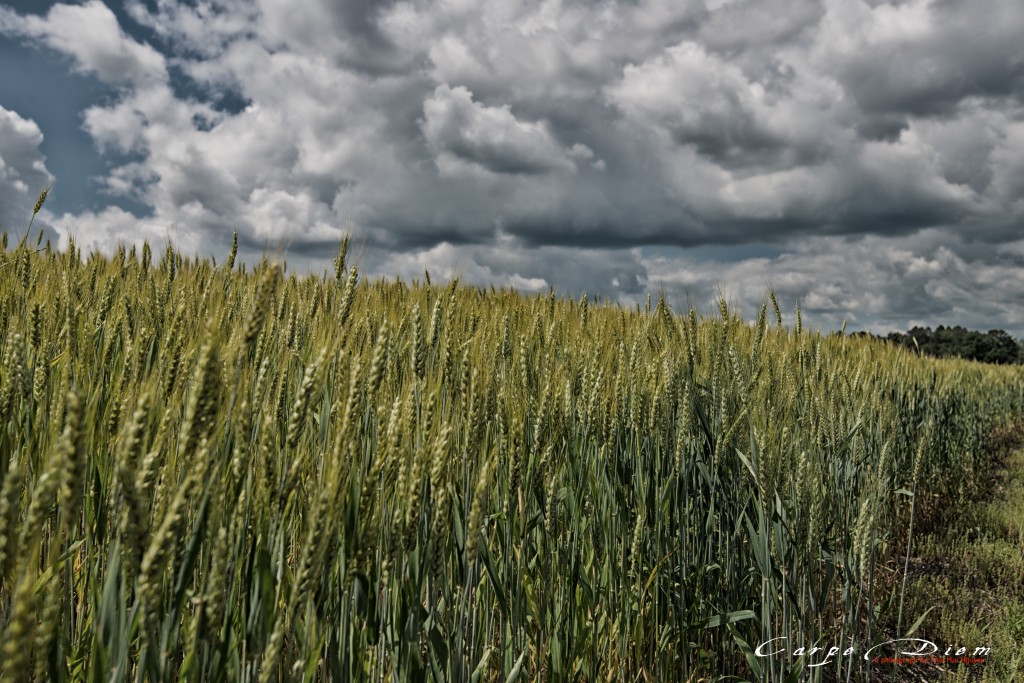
994,346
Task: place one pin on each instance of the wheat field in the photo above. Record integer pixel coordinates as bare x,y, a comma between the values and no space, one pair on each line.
213,472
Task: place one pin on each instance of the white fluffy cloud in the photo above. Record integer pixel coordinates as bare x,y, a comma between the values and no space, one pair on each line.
23,173
99,230
92,37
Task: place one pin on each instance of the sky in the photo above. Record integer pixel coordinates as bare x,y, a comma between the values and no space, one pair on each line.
863,158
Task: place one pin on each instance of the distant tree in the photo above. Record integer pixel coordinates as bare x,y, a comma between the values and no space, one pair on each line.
1004,349
995,346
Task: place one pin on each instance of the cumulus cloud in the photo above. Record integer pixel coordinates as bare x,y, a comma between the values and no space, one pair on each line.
23,173
91,36
461,132
701,100
563,143
98,230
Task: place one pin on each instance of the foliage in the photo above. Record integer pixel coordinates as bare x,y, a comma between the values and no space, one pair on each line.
994,346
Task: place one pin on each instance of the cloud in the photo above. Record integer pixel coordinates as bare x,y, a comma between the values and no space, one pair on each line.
199,29
461,132
872,282
564,143
586,124
924,58
98,230
23,173
568,270
91,36
699,100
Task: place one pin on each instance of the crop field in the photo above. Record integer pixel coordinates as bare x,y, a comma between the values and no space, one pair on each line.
213,472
